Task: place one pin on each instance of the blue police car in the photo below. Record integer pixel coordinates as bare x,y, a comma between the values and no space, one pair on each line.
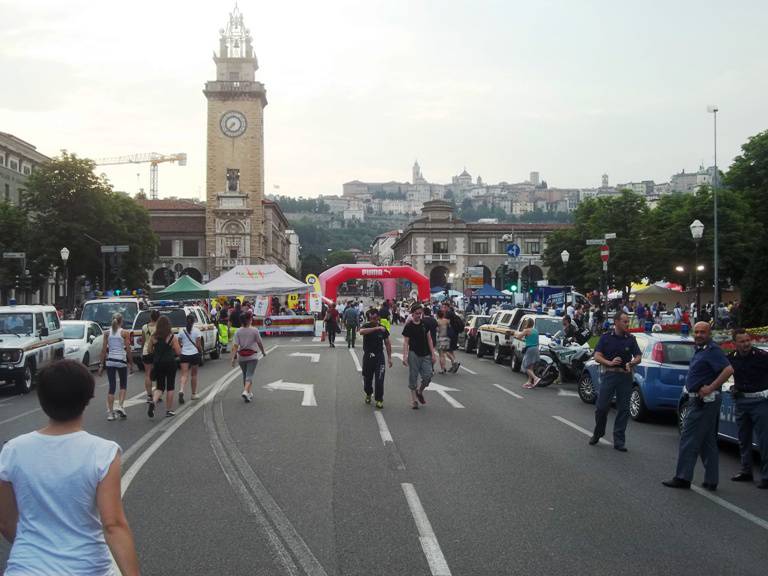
658,379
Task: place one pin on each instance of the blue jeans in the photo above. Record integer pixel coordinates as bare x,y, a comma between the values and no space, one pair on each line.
752,418
611,383
699,438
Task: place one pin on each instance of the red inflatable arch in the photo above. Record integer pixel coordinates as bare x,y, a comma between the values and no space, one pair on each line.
387,275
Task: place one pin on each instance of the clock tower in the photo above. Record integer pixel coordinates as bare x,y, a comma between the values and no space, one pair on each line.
235,153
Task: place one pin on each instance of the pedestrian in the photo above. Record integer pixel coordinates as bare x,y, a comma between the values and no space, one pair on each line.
244,347
750,394
223,329
332,324
116,359
191,356
351,318
60,505
418,355
530,335
707,371
375,340
164,349
617,353
235,321
430,323
569,330
146,358
444,342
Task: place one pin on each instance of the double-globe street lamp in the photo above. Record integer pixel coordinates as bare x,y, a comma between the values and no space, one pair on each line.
565,256
713,109
65,258
697,231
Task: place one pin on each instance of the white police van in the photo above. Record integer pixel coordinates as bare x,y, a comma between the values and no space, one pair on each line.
31,337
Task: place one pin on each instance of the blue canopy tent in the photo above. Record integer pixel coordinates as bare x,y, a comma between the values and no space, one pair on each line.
489,295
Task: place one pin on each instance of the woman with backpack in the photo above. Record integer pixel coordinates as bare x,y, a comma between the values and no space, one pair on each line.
191,355
164,349
244,347
116,357
146,358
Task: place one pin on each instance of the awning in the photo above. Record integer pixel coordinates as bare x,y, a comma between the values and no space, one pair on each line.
185,288
256,280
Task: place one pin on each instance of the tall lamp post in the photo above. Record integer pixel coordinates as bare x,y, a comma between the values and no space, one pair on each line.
697,231
713,110
565,256
64,258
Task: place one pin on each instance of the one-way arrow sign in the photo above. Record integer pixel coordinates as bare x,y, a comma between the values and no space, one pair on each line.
314,358
443,391
307,389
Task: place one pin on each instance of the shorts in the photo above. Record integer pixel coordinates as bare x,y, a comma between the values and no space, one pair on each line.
419,367
248,367
165,379
148,358
444,344
454,342
191,359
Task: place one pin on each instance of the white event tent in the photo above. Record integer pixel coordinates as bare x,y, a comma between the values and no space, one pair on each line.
255,280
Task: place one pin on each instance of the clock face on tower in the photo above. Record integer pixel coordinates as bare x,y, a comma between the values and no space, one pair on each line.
233,123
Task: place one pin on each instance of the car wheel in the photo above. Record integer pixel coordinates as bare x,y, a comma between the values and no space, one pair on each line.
467,346
479,350
216,352
24,382
637,408
498,355
546,372
517,362
87,359
586,388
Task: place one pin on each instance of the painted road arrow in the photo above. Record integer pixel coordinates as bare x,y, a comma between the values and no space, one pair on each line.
443,391
307,389
315,358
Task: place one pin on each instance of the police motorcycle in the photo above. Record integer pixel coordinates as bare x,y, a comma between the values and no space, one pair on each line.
562,358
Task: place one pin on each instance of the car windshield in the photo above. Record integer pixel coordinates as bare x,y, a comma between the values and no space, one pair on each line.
679,353
74,331
548,325
15,323
176,316
481,321
102,312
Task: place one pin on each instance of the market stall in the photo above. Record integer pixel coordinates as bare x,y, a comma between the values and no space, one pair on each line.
185,288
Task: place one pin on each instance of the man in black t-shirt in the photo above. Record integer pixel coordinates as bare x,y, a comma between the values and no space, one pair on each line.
418,354
375,340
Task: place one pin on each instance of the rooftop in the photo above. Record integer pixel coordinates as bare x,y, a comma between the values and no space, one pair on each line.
171,204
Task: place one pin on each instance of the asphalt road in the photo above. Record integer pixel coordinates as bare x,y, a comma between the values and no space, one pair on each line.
488,479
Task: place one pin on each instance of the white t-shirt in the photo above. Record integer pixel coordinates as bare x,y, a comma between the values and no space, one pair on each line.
187,341
54,479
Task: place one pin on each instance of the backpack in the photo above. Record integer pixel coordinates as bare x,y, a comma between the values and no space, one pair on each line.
457,324
165,357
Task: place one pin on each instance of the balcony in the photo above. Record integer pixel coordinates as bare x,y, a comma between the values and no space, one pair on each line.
231,262
429,258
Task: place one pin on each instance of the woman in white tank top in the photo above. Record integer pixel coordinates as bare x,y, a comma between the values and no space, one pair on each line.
116,357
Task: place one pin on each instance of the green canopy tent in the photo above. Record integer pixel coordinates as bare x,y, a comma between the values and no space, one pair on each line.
185,288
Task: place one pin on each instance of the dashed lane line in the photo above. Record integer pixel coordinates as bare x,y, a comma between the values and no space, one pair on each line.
356,359
389,443
462,367
514,394
27,413
429,544
579,429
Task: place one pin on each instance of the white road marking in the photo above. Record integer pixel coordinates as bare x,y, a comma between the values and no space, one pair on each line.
429,544
313,358
443,391
268,350
295,339
178,421
316,339
515,394
732,507
561,392
308,390
579,428
462,367
6,402
27,413
383,428
356,359
397,355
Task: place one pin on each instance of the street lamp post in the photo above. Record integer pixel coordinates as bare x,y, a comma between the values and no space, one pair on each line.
64,258
697,231
565,256
713,109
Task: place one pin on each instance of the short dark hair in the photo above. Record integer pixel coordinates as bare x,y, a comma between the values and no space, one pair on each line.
738,332
416,306
154,315
64,389
566,317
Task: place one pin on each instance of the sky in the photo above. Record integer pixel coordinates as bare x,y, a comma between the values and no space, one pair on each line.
360,89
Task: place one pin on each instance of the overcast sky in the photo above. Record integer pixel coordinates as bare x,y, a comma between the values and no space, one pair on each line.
360,89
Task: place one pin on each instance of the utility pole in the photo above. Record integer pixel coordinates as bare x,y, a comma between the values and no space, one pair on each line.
604,255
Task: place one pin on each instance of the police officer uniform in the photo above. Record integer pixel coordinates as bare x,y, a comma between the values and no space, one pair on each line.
614,380
750,394
699,434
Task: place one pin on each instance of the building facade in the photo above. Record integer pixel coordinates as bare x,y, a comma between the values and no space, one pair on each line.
443,248
17,161
235,153
276,242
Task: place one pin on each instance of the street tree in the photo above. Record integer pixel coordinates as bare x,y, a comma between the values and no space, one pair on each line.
14,233
339,257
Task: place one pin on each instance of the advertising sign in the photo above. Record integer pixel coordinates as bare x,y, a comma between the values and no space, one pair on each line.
293,301
315,303
261,305
313,281
475,277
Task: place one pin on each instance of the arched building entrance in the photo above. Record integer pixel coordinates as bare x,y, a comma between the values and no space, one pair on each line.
387,275
438,277
529,275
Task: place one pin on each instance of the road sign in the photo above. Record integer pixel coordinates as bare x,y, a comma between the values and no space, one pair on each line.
604,252
513,250
595,242
122,248
14,254
610,236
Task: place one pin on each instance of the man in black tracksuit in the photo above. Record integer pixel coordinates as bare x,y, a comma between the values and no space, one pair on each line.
375,340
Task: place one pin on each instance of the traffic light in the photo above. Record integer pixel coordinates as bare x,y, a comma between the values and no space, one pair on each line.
513,288
117,292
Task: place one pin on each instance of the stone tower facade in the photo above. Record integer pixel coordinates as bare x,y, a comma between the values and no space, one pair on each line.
235,153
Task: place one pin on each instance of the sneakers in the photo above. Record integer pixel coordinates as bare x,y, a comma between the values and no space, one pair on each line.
455,367
120,411
111,415
367,398
181,397
379,404
415,405
170,413
247,396
151,409
149,399
195,397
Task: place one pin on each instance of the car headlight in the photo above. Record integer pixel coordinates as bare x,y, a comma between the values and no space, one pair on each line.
11,356
71,349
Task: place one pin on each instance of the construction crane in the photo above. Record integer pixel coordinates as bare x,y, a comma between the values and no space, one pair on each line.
153,158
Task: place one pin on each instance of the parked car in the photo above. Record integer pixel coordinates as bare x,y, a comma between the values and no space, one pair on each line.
658,379
496,335
83,341
468,337
102,310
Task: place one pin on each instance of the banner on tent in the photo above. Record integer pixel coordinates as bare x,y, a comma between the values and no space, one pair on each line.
261,306
285,324
315,302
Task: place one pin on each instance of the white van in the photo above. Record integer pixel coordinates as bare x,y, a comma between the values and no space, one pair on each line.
102,310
